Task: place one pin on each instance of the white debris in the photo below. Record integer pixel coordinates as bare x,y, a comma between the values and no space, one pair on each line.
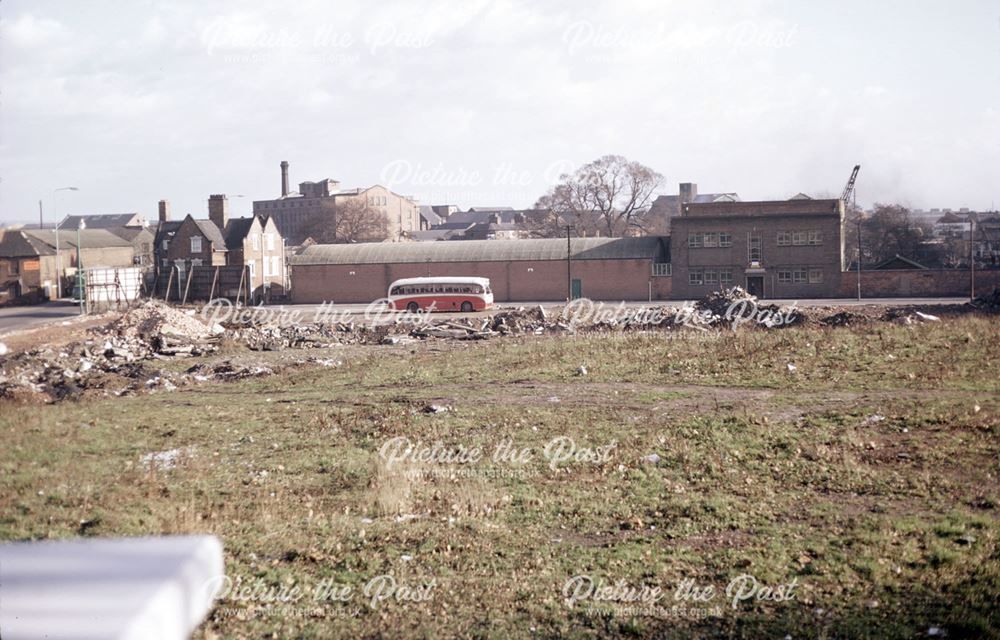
3,349
653,458
927,317
581,370
872,419
165,459
791,367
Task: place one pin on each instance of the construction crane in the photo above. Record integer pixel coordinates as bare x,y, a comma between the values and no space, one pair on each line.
849,187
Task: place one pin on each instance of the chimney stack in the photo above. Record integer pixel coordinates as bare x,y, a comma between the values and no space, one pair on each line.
218,210
688,192
284,178
164,210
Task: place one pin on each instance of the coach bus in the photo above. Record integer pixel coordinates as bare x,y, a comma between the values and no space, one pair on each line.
441,294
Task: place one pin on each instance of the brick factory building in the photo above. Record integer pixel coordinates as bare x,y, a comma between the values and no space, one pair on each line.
775,249
519,270
295,212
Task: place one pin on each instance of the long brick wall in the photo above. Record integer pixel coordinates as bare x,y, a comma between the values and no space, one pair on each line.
917,283
512,281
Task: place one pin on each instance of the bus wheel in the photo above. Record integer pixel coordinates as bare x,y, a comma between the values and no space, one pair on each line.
413,307
466,306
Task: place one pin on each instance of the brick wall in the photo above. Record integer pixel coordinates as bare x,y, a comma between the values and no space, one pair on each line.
917,283
512,281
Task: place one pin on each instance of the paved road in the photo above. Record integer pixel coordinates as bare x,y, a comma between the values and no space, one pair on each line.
14,318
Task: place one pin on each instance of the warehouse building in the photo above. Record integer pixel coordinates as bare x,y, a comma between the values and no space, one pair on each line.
775,249
519,270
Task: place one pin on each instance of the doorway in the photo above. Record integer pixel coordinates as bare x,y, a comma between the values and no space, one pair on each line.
576,289
755,286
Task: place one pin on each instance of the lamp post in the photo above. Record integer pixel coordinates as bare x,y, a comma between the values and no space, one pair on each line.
79,266
55,215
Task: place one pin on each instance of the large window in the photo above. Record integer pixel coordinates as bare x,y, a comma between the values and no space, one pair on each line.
800,275
799,238
710,239
721,276
195,244
661,269
754,247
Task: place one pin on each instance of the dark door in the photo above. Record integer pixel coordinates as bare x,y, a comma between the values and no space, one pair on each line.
577,289
755,286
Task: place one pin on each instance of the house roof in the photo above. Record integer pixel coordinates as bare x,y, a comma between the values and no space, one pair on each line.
427,213
14,244
212,232
898,262
484,251
236,231
101,221
130,233
89,239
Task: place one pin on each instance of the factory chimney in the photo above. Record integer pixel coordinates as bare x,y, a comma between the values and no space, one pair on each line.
284,178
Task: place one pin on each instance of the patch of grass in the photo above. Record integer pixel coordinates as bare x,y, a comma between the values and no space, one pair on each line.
718,462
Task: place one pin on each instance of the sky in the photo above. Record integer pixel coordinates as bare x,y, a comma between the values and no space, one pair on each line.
487,102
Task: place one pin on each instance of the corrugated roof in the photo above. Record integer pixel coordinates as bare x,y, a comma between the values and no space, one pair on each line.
100,220
483,251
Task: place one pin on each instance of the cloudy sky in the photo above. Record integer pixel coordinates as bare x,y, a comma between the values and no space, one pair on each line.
485,102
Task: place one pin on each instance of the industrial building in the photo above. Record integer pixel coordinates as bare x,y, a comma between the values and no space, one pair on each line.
519,270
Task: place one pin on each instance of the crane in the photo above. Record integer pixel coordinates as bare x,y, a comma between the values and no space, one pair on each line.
849,187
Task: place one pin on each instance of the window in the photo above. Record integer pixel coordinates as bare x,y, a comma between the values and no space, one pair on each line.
754,246
798,276
798,238
195,244
694,239
711,276
270,242
695,276
710,240
255,241
725,276
815,276
784,238
252,265
784,276
276,265
815,237
163,245
661,269
725,239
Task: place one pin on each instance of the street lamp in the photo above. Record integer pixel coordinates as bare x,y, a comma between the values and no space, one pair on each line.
55,214
79,265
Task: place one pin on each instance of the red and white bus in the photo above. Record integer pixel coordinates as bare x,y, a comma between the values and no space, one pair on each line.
444,293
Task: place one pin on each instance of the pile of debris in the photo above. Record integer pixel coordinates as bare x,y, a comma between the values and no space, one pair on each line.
738,307
156,328
988,301
116,358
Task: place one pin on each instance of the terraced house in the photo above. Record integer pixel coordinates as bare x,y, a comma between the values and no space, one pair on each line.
775,249
253,242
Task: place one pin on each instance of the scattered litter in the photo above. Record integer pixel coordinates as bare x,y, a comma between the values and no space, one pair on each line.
927,317
791,367
3,349
164,460
435,408
652,458
872,420
581,370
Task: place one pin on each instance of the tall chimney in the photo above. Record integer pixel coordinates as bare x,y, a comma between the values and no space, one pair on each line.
218,210
284,178
164,210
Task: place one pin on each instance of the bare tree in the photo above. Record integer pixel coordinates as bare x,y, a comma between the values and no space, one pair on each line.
610,195
888,231
351,220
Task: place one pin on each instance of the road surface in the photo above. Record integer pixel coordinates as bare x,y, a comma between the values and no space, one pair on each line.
14,318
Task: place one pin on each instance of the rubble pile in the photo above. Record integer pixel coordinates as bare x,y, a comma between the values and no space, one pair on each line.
156,328
737,306
988,301
845,319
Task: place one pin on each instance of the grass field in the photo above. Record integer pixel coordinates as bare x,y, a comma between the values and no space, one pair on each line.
839,482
